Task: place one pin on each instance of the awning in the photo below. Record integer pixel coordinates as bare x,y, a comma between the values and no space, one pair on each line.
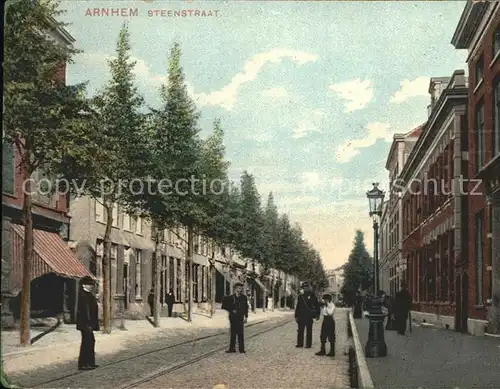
226,273
51,254
261,285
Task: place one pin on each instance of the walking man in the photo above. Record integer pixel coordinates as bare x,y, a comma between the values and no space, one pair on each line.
237,306
170,300
306,311
402,307
87,321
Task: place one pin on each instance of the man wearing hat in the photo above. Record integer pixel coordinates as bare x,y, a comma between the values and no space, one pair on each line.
306,311
87,321
237,306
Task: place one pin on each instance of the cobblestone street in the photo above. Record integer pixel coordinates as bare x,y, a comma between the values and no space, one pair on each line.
271,361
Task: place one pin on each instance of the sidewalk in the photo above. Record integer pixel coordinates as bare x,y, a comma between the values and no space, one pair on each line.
434,358
63,343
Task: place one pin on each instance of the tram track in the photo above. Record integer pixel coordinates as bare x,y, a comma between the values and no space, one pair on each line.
170,369
115,364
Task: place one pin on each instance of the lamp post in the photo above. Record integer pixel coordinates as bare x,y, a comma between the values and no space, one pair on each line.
376,347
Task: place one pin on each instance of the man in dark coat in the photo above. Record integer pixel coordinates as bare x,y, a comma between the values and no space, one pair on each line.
151,301
306,311
170,300
237,306
87,321
402,307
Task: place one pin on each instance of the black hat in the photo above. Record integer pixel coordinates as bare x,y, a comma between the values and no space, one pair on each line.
327,296
304,284
87,281
238,284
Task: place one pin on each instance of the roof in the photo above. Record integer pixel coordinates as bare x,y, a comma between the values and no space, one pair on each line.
55,253
400,138
469,23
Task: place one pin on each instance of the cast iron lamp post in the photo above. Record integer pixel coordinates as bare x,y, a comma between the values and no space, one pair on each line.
376,347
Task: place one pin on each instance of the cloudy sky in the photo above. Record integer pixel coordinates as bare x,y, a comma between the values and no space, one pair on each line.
309,93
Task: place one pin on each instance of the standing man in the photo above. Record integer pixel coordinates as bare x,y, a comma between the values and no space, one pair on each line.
306,311
170,300
87,321
402,307
151,301
237,306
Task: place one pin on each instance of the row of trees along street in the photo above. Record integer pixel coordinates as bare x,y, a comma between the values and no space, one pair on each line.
112,137
358,271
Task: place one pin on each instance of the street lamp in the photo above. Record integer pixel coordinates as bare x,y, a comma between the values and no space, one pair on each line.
376,347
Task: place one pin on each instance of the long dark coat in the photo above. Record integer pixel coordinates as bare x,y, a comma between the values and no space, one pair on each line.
87,314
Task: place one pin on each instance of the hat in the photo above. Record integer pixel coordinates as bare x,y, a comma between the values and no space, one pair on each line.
327,296
87,281
304,284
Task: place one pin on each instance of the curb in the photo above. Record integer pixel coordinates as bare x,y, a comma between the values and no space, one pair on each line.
364,377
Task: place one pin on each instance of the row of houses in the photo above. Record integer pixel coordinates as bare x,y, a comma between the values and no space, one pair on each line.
68,245
440,228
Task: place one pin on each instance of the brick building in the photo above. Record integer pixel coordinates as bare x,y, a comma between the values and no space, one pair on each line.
55,268
478,31
436,214
392,266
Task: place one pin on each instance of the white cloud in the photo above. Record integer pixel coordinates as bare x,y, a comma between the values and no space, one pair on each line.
141,70
408,89
356,93
226,97
376,131
309,123
275,93
298,200
311,179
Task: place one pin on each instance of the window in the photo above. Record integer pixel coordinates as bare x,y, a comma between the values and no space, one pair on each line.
127,225
114,250
138,273
479,257
195,283
8,168
115,215
480,141
496,42
138,225
496,118
479,70
489,295
99,211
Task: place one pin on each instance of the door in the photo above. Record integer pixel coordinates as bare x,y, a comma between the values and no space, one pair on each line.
126,296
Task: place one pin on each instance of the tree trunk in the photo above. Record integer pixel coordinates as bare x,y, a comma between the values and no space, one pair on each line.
25,334
280,293
213,278
156,281
284,292
106,269
189,258
264,298
272,293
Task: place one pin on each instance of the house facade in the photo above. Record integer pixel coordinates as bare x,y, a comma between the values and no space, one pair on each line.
436,213
335,283
55,269
478,31
392,264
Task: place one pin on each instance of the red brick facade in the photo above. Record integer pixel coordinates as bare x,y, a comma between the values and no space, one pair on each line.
481,92
432,220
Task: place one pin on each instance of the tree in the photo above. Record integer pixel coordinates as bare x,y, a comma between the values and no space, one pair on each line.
358,272
271,236
177,157
36,104
110,147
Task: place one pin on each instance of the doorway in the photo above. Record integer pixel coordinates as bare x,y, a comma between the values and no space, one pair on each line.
126,296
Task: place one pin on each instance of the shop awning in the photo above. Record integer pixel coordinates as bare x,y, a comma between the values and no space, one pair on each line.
51,254
261,285
231,278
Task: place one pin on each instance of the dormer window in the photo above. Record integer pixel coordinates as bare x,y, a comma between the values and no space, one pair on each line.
479,70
